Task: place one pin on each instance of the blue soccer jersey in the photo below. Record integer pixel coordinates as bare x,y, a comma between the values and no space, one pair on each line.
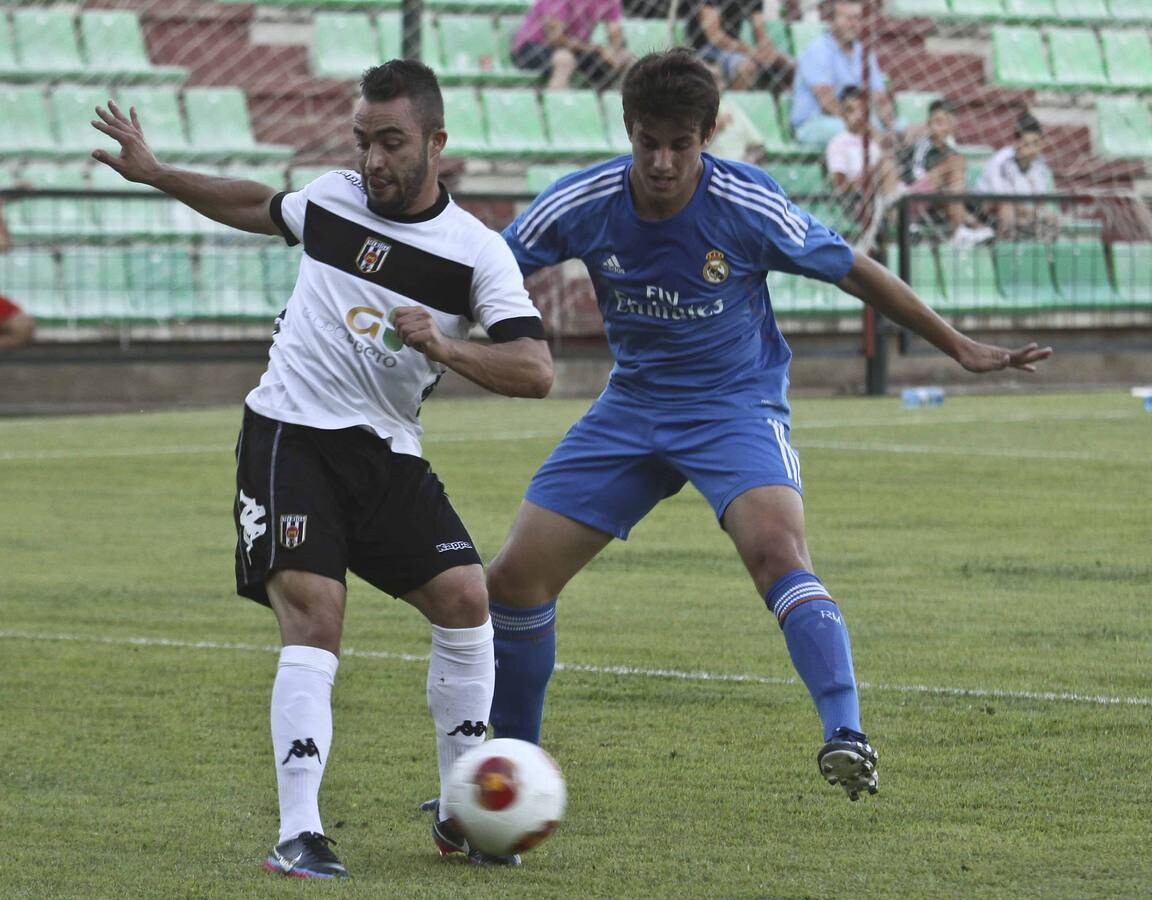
684,299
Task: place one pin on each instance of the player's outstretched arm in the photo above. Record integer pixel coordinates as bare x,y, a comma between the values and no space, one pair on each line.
878,287
519,368
232,201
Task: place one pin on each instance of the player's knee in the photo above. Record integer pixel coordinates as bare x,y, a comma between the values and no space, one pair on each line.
513,585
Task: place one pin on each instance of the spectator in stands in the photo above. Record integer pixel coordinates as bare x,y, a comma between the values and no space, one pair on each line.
858,185
556,40
17,328
715,30
933,165
736,135
832,62
1020,169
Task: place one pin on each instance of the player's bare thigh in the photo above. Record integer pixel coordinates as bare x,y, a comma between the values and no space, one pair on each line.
309,608
456,598
543,552
767,526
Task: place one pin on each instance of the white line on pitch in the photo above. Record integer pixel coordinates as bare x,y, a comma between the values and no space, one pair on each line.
1004,452
626,671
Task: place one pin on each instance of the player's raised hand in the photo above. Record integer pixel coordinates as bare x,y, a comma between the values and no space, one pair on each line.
979,357
417,329
136,162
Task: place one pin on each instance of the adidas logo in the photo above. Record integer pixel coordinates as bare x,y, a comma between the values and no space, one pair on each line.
612,264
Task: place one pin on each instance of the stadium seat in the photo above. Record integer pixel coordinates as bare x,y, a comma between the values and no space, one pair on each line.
831,214
926,8
540,175
613,103
29,275
760,107
470,52
1081,274
799,179
9,66
515,124
270,174
912,106
968,277
114,48
1024,273
1031,11
1130,10
645,35
143,213
1124,127
26,104
301,176
1076,59
74,106
1132,268
464,122
795,295
159,110
232,283
981,10
575,123
219,126
344,44
1019,58
1083,11
162,283
479,6
281,266
46,43
95,282
803,34
1128,57
924,276
52,218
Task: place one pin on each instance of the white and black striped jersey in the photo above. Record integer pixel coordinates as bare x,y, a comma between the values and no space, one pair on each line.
335,361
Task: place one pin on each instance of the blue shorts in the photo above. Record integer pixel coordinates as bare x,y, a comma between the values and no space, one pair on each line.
621,459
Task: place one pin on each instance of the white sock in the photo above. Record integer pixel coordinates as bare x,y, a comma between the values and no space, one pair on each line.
461,678
302,734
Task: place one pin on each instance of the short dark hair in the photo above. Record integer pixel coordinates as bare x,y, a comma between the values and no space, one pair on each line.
1028,123
850,92
672,85
406,78
940,105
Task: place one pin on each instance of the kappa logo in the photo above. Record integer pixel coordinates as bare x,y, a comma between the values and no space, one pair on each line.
302,749
251,514
372,255
612,264
468,729
292,530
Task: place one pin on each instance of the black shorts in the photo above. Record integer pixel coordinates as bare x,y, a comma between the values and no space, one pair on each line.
329,501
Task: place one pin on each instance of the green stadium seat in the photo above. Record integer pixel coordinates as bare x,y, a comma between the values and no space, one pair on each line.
1076,58
271,174
74,106
9,66
794,295
158,108
831,214
232,284
301,176
760,107
1033,11
46,43
145,213
1083,11
927,8
538,176
114,48
95,282
344,44
1024,273
470,52
803,34
1124,127
575,123
26,104
162,282
479,6
281,265
1128,57
29,276
645,35
799,179
515,123
218,125
777,33
52,218
1130,10
613,103
924,276
968,276
912,106
1081,274
1132,268
982,10
1019,58
464,122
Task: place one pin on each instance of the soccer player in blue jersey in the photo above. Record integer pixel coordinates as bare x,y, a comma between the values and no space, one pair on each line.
678,244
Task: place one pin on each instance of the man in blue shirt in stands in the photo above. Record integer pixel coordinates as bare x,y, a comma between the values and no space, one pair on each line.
832,62
678,244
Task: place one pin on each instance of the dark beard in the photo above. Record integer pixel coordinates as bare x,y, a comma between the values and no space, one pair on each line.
408,189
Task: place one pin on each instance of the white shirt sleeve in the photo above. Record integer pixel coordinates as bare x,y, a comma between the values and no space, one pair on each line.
498,291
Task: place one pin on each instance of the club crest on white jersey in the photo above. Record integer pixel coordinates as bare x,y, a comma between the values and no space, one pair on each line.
372,255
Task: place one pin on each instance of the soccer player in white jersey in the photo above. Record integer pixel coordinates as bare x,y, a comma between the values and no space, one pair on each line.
678,244
329,474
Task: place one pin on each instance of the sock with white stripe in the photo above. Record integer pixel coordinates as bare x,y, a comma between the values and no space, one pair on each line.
302,734
460,678
817,640
525,657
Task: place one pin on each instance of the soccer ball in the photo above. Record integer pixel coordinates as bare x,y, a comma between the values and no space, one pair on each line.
505,796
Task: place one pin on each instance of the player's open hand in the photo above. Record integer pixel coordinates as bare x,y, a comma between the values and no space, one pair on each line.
417,329
988,358
136,161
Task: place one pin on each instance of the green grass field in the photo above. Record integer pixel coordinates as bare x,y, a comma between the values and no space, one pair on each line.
992,557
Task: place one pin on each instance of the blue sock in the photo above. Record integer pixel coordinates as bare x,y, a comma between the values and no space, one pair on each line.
525,641
818,643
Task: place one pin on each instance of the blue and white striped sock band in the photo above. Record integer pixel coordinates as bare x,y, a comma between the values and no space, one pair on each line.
520,624
793,589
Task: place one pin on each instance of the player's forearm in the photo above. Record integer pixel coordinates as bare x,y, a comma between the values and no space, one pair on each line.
890,296
519,368
235,202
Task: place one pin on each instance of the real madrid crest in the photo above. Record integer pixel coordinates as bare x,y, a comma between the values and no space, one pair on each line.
715,267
